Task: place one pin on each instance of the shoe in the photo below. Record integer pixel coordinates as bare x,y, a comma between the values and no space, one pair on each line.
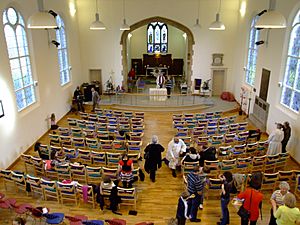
174,174
218,223
201,206
195,220
153,180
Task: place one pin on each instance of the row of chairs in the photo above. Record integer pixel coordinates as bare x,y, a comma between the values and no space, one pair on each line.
102,163
117,113
61,191
199,116
266,163
96,144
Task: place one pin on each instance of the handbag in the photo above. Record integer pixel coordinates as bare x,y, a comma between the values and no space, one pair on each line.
244,213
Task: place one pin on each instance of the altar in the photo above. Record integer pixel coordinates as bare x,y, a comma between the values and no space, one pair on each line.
150,71
158,94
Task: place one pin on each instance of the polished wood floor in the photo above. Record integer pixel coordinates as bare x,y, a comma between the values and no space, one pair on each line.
157,201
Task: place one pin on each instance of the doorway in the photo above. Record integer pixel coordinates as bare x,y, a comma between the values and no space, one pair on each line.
96,78
218,81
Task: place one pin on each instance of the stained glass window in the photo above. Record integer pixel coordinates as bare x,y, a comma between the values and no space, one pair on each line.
290,96
157,38
19,58
62,51
252,53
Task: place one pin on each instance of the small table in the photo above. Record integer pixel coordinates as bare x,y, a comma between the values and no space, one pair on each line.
158,94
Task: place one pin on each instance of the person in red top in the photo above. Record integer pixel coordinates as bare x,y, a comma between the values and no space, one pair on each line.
125,171
252,199
131,74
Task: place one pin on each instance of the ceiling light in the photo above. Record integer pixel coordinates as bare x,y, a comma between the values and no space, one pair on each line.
217,24
271,19
124,25
41,19
97,24
197,24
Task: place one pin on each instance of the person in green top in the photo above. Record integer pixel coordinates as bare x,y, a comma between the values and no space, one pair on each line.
287,214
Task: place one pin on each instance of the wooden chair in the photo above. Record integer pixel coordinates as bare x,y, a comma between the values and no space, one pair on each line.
78,173
198,132
63,131
134,146
27,162
66,141
179,124
228,165
224,121
271,163
242,137
83,116
203,123
213,167
128,196
187,140
93,118
113,159
212,122
103,135
19,181
216,140
71,153
224,152
281,163
72,122
67,192
223,129
209,115
98,158
106,145
211,130
202,141
76,132
101,127
92,144
188,167
110,172
93,174
232,119
251,149
6,177
55,151
134,157
136,135
284,175
297,187
91,196
78,142
89,133
44,149
102,120
84,156
258,164
238,150
108,112
128,114
218,114
119,146
233,128
49,190
243,126
214,187
244,165
229,139
140,115
63,172
35,184
117,113
262,147
269,181
38,166
99,112
54,139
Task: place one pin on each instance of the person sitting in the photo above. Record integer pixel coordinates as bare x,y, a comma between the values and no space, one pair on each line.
78,97
207,153
125,171
191,156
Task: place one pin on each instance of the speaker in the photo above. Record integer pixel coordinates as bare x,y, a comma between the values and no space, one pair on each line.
198,84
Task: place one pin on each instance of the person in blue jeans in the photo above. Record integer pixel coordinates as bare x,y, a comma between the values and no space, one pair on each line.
226,177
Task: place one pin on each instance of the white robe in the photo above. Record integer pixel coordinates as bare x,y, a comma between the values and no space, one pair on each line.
274,140
174,150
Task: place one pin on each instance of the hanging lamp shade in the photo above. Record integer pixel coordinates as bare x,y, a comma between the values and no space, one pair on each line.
97,24
124,25
271,19
197,24
217,25
41,20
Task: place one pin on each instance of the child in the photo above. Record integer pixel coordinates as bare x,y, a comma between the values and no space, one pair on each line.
52,122
182,208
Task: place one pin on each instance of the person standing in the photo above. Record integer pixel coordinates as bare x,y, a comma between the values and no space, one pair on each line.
78,97
274,140
195,186
277,199
286,136
153,157
169,86
95,98
175,147
182,208
160,80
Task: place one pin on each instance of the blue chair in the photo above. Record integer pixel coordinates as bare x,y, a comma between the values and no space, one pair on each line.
54,218
93,222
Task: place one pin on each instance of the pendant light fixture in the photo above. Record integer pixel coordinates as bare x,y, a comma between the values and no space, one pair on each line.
124,25
197,25
272,18
217,25
97,24
41,19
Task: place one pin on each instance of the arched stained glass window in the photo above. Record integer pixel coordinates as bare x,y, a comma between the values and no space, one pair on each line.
157,38
252,53
290,96
63,59
19,58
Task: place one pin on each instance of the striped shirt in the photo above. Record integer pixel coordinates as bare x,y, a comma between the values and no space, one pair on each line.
278,198
195,183
169,84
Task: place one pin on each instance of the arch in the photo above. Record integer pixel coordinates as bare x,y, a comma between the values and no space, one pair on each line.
190,43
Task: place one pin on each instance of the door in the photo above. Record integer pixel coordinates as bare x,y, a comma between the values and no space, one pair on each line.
218,82
96,78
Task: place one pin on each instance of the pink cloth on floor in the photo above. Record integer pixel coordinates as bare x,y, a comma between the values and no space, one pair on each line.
85,193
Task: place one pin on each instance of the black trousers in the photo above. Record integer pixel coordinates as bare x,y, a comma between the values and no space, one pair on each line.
181,221
152,175
246,222
272,219
168,92
284,144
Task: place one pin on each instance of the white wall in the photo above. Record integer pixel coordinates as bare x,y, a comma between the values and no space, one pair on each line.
19,130
272,57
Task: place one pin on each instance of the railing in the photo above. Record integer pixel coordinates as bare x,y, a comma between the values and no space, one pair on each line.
148,100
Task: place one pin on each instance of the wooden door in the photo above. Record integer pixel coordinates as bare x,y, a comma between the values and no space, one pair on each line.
218,82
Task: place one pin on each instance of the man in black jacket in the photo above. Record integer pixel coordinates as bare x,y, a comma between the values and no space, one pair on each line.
287,135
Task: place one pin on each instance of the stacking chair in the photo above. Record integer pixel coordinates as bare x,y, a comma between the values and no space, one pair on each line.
103,135
297,187
242,126
84,156
20,181
66,141
188,167
224,152
269,181
128,196
72,122
134,146
258,164
231,119
262,147
106,145
233,128
140,115
224,121
228,165
89,133
98,158
209,115
83,116
211,130
202,123
93,118
128,114
199,116
223,129
54,139
99,112
78,142
218,114
90,125
251,149
198,132
238,150
212,122
63,172
35,184
6,177
78,173
214,186
117,113
179,124
49,190
27,163
202,141
188,116
108,112
242,137
71,153
93,174
92,143
90,195
244,165
229,139
281,163
284,175
136,135
182,131
190,124
101,126
113,159
213,167
81,124
38,166
216,140
67,192
271,163
102,120
76,132
63,131
119,146
110,172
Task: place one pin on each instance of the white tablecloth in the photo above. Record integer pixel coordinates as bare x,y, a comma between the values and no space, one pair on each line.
158,94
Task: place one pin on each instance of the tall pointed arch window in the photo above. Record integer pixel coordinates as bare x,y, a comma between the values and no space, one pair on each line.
19,58
157,37
252,53
63,58
290,96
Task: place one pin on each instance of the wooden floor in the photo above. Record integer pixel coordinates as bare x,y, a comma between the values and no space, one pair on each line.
157,201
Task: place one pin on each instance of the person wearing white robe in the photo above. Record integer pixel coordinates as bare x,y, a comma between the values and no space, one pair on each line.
274,140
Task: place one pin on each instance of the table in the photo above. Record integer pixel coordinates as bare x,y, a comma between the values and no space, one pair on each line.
158,94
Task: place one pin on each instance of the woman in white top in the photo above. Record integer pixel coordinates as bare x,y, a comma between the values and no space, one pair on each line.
275,139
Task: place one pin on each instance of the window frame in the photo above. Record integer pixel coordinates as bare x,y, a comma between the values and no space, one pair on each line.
19,58
152,41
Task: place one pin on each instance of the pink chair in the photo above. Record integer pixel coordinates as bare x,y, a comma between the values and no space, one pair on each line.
116,222
76,220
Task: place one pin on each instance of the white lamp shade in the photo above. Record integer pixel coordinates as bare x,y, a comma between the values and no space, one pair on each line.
97,24
271,19
197,24
124,25
217,25
41,20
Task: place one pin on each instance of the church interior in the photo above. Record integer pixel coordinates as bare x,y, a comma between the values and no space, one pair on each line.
226,68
